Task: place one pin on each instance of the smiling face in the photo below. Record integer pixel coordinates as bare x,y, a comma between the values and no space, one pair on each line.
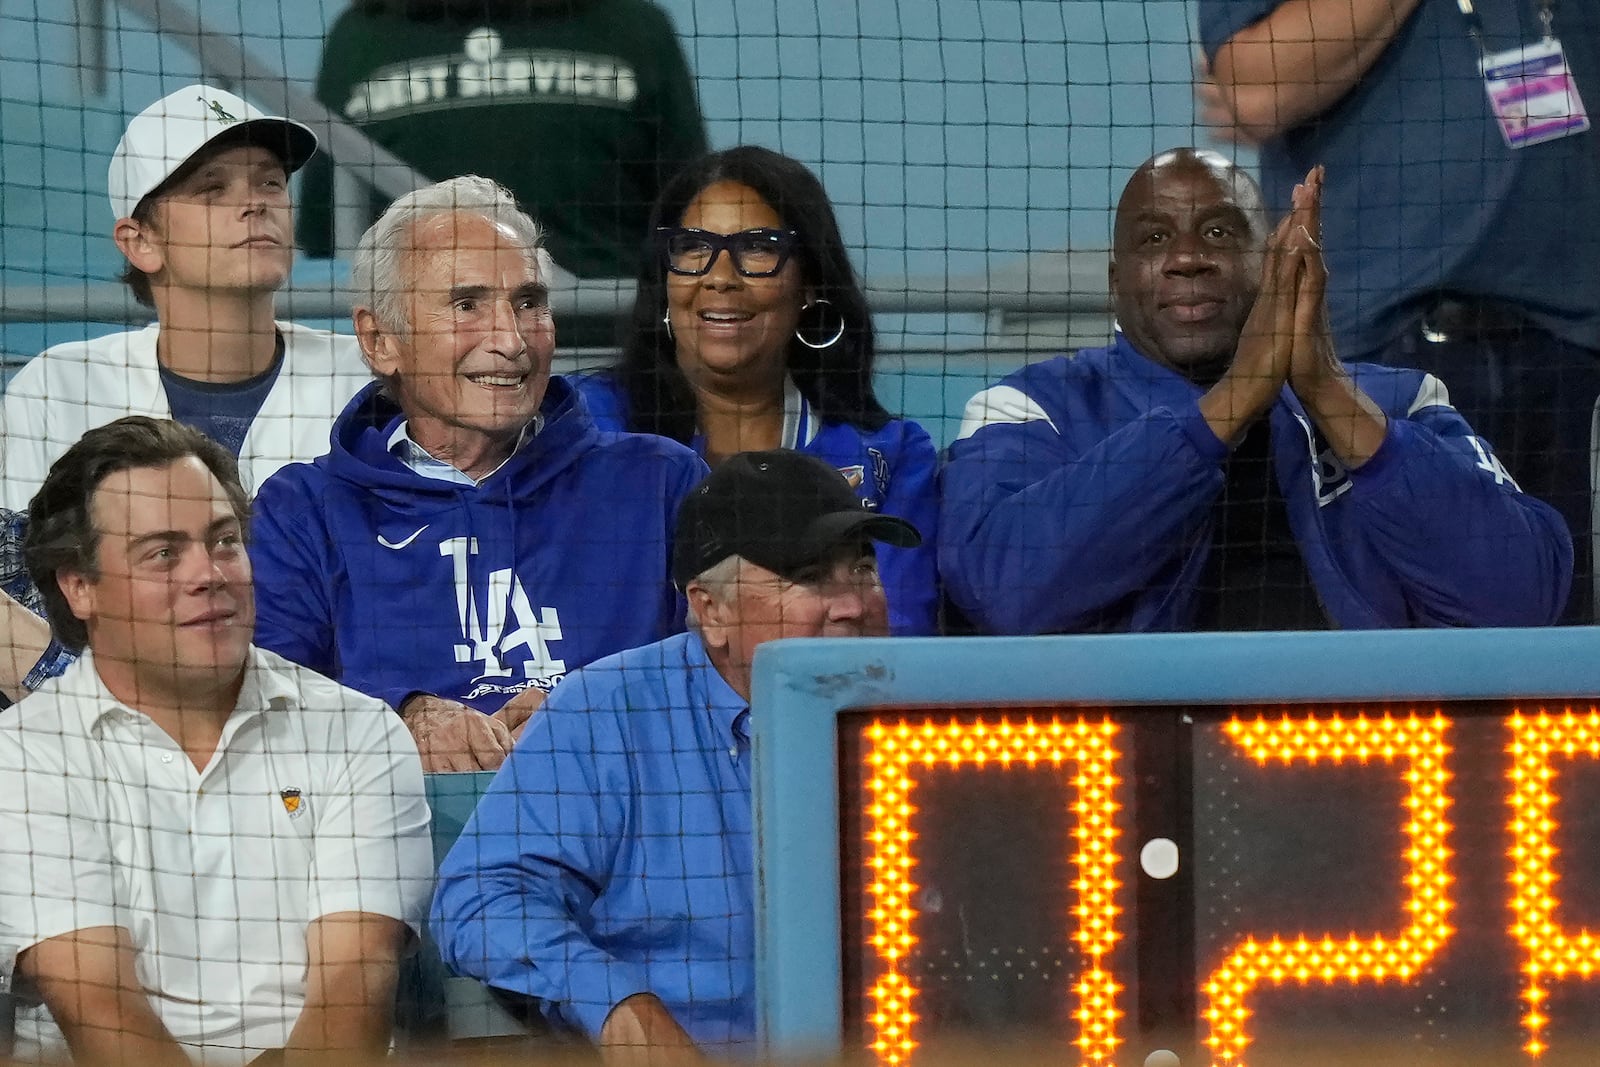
171,611
1187,263
471,365
226,224
733,332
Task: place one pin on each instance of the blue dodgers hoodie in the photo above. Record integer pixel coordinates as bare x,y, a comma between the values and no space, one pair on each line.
395,584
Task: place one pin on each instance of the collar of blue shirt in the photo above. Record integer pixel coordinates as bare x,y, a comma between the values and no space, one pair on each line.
420,461
729,710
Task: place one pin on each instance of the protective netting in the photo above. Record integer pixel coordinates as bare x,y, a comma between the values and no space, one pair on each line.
1147,316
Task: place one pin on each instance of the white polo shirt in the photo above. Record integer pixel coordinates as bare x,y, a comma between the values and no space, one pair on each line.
312,804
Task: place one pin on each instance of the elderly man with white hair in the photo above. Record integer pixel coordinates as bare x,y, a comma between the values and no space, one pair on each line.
472,536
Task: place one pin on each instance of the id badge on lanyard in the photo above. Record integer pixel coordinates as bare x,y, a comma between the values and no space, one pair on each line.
1531,89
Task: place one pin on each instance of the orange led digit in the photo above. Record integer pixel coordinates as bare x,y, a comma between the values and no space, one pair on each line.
896,753
1416,744
1550,953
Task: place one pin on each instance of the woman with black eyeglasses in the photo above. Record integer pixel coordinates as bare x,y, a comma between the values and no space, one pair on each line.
750,331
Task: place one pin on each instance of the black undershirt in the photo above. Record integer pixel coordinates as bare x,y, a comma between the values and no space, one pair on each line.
1255,577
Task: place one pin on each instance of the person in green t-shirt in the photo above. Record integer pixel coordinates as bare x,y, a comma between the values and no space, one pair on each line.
583,108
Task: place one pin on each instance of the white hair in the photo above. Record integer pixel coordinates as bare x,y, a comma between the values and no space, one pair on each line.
375,273
719,579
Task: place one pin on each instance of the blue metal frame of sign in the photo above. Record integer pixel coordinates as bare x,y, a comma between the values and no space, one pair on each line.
800,687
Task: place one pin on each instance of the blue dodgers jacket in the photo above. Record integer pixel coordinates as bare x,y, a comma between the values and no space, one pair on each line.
613,852
894,469
1078,497
395,584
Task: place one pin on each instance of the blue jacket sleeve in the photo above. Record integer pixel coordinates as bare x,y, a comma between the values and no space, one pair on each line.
911,575
289,553
1039,537
513,892
1221,19
1468,547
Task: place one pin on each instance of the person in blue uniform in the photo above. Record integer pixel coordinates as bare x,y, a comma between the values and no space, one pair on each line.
1218,468
750,331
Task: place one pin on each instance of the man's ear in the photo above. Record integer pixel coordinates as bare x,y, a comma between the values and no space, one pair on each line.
377,343
135,240
79,590
1111,279
713,613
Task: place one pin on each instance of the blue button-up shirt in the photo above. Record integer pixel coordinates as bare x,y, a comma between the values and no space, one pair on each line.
613,854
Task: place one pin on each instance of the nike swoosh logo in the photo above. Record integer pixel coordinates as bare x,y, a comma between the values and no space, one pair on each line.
386,543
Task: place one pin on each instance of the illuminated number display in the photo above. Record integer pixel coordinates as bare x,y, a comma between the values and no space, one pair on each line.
901,755
1418,749
1418,883
1537,744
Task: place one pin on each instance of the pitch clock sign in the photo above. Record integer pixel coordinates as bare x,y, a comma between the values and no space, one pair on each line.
1222,882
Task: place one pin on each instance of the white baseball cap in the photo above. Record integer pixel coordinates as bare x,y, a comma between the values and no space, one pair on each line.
171,131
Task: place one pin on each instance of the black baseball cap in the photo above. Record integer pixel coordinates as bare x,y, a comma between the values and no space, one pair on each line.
779,509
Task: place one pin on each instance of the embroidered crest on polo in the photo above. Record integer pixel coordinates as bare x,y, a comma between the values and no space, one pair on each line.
222,114
294,802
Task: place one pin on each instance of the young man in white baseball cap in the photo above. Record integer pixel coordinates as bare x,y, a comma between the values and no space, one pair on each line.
199,192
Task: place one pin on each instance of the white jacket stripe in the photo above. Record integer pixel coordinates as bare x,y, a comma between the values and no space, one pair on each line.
1431,393
1000,404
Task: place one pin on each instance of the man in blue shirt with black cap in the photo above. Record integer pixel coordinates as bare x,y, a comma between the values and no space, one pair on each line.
607,872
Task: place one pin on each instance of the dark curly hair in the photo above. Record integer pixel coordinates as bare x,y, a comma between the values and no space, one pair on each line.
836,381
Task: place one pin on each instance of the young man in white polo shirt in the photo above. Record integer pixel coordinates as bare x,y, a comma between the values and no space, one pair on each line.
206,852
199,188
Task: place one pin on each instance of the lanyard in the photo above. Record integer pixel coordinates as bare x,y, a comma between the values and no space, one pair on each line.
1469,14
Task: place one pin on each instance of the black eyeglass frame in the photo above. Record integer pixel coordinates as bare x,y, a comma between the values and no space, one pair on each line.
724,242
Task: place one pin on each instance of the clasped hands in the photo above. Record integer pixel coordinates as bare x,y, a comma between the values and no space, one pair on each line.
1287,338
451,736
